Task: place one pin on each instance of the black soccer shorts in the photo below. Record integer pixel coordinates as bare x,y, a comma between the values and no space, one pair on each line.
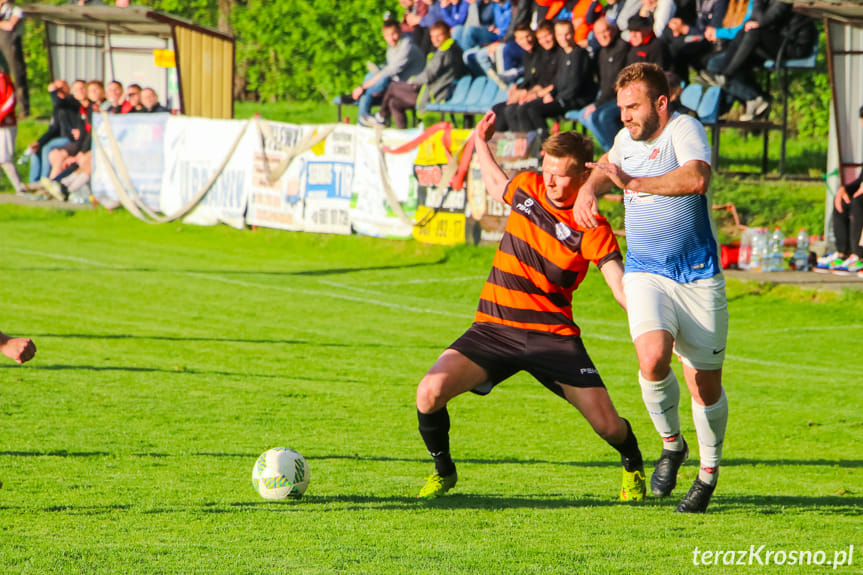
551,358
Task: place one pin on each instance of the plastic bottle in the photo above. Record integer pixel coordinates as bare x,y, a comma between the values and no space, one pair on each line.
777,262
759,247
801,253
744,256
25,156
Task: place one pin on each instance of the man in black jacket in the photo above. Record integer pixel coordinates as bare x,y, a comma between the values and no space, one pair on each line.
540,70
602,117
573,85
58,134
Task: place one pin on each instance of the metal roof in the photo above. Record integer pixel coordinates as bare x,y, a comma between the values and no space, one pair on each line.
99,20
847,11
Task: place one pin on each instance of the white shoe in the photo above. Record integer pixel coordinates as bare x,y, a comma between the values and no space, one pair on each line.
848,267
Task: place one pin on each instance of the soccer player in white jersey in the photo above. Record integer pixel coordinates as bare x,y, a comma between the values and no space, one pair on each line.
673,280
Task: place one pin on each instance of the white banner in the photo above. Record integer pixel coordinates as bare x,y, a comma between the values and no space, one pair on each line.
195,148
370,213
140,138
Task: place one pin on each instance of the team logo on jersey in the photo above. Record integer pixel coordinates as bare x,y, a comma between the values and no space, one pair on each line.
654,153
562,231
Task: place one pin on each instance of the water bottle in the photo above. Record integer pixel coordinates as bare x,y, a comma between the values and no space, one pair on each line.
25,156
744,257
801,253
759,247
777,262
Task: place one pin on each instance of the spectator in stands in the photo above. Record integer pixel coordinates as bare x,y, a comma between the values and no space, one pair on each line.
59,132
847,228
422,37
434,84
610,11
69,157
115,103
8,131
774,26
584,15
503,62
602,117
659,12
133,98
486,21
540,70
686,36
454,13
573,85
11,32
403,60
644,44
150,101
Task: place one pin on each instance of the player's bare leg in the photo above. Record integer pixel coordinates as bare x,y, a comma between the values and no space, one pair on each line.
595,405
451,375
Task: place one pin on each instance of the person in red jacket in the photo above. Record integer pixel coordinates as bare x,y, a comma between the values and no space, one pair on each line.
8,130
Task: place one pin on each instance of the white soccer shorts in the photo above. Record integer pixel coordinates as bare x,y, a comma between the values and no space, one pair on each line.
695,314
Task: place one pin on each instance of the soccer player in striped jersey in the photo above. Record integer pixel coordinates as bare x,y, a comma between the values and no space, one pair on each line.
675,290
525,319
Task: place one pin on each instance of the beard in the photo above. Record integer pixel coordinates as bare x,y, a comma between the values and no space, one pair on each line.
648,128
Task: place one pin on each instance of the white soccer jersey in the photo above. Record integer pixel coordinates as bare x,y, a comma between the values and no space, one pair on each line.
671,236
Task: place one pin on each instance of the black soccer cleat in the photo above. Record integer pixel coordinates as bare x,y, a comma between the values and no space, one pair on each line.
664,477
697,498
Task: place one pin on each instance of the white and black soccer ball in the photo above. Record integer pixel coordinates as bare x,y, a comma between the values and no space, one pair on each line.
281,473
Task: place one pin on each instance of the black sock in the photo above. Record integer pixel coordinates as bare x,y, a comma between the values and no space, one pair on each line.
434,429
630,455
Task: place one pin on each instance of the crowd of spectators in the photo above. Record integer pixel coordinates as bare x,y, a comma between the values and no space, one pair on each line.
61,159
555,56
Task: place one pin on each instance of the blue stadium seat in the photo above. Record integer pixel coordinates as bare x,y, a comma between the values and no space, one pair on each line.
691,96
476,88
572,115
486,100
708,107
458,95
797,63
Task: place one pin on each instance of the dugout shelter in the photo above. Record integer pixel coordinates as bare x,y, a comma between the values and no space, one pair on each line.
843,26
190,66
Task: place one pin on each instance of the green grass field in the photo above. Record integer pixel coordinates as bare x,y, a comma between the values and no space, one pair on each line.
171,356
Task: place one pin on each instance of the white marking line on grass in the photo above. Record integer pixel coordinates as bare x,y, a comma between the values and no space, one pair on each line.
318,293
313,293
62,257
427,280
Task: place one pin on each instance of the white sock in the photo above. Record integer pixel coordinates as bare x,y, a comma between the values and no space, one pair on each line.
710,421
662,399
10,170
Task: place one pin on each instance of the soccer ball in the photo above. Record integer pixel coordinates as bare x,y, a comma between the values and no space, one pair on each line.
280,473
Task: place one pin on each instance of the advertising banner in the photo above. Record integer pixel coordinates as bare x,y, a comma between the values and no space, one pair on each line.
195,149
442,210
371,212
140,139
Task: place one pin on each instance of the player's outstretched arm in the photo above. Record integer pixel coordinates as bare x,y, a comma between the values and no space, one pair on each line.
20,349
598,184
493,176
612,271
692,178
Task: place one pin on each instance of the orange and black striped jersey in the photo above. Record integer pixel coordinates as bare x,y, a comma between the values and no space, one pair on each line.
543,257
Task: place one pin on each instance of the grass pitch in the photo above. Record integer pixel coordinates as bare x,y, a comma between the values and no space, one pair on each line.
171,356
